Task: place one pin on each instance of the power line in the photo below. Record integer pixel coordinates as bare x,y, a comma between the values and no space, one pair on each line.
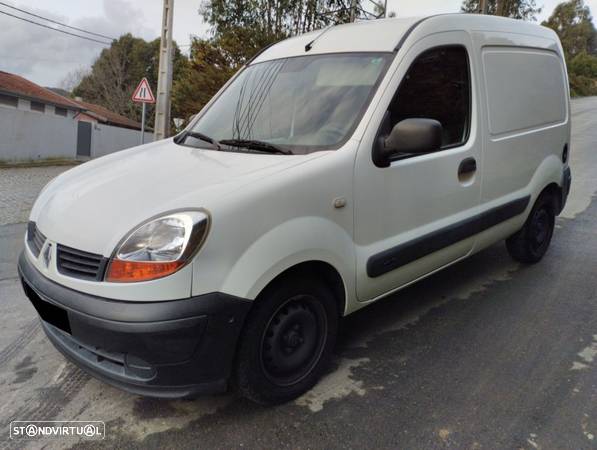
55,29
57,23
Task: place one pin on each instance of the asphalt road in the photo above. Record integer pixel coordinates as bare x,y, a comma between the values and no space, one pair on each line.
486,354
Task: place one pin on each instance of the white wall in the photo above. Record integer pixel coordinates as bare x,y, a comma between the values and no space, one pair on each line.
29,135
107,139
25,105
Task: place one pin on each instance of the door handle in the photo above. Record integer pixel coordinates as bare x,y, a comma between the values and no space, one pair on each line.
467,167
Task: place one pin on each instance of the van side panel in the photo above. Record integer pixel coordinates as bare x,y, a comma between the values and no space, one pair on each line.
550,171
524,90
527,114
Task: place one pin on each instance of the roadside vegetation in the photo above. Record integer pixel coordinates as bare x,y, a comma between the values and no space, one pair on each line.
573,22
239,29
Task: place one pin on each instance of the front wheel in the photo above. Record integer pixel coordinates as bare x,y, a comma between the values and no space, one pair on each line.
287,341
532,241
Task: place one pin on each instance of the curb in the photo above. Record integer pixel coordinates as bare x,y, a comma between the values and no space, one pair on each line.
29,164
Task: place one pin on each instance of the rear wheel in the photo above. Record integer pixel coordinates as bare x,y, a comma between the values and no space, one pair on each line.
532,241
287,341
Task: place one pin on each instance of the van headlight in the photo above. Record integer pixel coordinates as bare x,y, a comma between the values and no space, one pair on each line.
159,247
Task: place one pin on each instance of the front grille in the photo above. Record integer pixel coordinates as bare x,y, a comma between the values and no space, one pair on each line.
35,239
80,264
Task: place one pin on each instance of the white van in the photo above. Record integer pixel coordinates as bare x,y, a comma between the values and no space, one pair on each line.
335,168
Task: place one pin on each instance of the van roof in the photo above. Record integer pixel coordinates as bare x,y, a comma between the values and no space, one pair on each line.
386,35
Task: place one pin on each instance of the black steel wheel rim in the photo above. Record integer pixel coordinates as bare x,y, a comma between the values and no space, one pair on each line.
541,228
293,340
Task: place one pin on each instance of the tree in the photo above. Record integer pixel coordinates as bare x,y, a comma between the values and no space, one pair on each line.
241,28
516,9
584,65
582,72
73,79
117,71
208,69
276,17
573,23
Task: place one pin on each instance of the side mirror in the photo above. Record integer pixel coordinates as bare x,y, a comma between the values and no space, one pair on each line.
409,136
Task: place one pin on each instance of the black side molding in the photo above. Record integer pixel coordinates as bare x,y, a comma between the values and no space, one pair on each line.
410,30
408,252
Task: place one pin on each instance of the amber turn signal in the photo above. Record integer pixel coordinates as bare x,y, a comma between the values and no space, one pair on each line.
130,271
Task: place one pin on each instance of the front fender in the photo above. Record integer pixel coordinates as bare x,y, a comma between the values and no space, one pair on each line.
290,243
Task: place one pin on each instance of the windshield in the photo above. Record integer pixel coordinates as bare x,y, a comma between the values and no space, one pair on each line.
301,104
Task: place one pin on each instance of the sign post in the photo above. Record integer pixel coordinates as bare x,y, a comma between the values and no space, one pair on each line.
143,95
143,107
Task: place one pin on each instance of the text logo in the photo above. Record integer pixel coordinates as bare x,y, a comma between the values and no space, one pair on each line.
36,429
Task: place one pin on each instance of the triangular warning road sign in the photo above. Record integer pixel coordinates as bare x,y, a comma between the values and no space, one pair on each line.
143,93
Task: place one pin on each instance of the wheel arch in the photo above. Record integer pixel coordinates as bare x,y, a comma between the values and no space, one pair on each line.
554,190
321,270
312,244
549,178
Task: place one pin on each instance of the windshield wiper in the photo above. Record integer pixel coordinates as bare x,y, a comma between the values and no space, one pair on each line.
200,136
253,144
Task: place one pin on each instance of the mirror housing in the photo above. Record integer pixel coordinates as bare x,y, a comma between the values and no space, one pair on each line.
409,136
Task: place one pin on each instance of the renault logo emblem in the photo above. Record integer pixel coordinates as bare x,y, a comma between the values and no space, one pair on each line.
47,255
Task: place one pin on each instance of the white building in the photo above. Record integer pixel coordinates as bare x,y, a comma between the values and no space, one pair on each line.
39,124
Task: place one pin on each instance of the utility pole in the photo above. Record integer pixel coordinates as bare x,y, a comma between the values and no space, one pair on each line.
162,108
353,10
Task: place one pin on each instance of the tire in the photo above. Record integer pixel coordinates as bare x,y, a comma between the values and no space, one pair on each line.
287,341
530,244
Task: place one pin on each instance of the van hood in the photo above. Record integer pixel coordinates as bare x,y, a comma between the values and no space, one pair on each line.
93,206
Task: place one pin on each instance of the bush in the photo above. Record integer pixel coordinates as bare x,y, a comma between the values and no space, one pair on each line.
584,65
581,86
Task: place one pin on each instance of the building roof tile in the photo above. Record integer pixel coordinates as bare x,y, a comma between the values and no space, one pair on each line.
15,84
104,115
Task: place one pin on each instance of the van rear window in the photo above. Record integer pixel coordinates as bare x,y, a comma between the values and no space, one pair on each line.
526,89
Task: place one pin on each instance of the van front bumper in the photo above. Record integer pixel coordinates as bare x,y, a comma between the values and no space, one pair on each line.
168,349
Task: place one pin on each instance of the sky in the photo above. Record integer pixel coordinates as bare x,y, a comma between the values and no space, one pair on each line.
47,57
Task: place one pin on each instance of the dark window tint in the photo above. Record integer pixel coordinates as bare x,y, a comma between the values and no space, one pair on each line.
9,100
437,86
37,106
60,111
